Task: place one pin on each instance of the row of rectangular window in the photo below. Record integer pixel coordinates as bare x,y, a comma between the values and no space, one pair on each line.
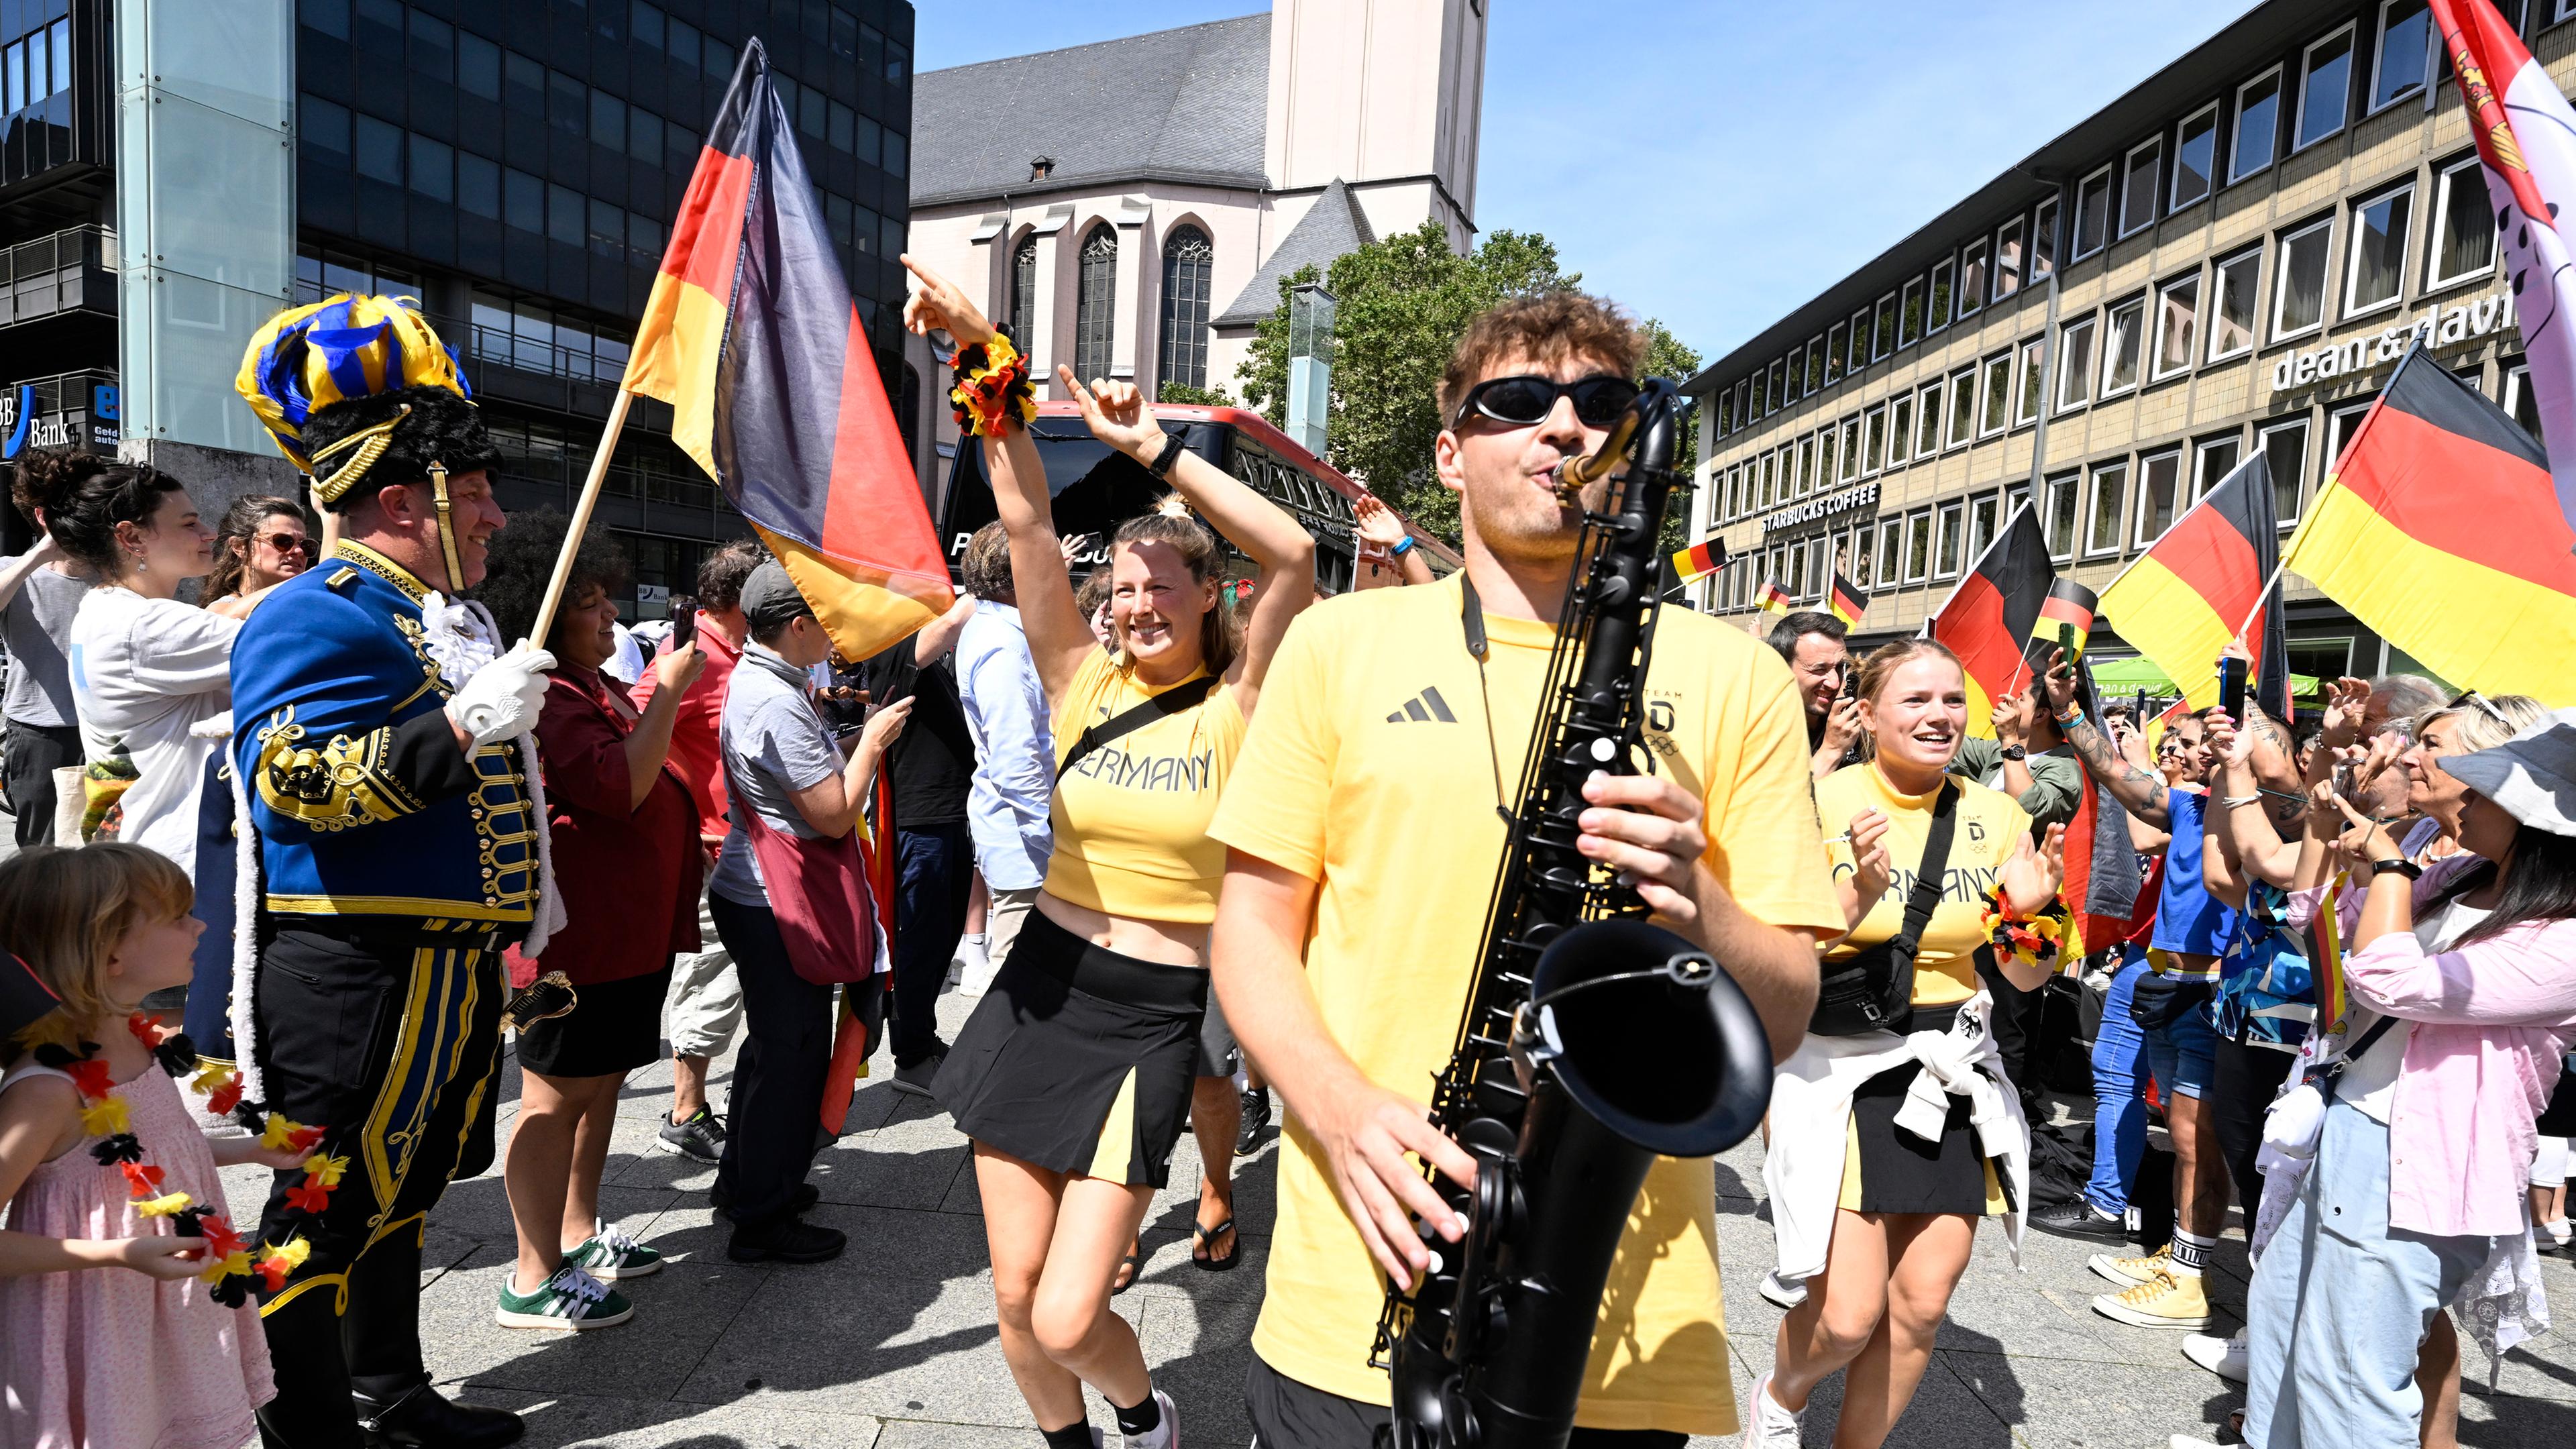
484,69
2402,64
36,66
2108,353
847,37
483,187
2098,511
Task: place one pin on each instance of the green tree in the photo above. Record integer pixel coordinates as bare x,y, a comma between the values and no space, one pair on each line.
1402,303
1194,397
1669,356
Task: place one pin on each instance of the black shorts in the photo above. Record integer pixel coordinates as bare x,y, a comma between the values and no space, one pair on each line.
614,1027
1078,1059
1286,1414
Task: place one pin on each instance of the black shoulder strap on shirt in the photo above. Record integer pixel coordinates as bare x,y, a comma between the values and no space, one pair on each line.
1931,876
1170,702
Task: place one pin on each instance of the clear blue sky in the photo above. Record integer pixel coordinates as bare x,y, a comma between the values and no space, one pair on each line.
1716,164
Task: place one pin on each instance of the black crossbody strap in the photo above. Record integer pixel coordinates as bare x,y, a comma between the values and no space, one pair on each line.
1930,879
1170,702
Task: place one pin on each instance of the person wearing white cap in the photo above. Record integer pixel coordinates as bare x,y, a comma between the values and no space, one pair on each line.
2415,1197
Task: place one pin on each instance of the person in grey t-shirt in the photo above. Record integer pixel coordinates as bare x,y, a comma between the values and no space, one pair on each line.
40,592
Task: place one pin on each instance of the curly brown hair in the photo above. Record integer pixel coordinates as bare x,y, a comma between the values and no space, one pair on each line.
1548,329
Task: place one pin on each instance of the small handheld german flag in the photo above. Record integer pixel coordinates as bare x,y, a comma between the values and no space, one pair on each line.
2068,606
1698,561
1847,601
1774,599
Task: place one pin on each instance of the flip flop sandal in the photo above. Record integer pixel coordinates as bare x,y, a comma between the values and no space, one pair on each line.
1207,1239
1134,1266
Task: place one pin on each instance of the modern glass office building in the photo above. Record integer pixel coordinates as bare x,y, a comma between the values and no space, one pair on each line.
515,167
2230,257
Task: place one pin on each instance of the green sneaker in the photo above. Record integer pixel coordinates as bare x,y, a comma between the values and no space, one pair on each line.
608,1255
570,1299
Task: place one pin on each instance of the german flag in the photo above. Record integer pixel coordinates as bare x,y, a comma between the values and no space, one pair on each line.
2439,528
1846,600
751,337
1698,561
2325,962
2068,605
1773,598
1992,613
2185,598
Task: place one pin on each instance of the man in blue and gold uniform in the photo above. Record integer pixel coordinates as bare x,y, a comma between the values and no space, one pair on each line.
399,850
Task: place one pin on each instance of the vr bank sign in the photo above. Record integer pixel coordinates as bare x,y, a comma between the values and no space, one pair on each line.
2438,326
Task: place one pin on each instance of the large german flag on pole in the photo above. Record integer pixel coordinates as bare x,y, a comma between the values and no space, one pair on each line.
1990,616
751,337
2215,569
2439,528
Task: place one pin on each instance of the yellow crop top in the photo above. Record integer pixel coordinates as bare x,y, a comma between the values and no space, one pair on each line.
1991,827
1131,818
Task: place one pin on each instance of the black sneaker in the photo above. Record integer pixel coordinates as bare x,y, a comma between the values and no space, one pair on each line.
2078,1219
1256,1119
789,1240
700,1139
915,1080
806,1195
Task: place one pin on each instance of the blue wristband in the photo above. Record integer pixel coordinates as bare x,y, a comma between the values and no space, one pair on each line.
1401,545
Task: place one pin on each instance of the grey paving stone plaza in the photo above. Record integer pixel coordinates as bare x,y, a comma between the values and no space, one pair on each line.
893,1347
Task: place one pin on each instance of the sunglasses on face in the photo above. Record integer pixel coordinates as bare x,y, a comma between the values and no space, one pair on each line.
287,542
1526,401
2481,704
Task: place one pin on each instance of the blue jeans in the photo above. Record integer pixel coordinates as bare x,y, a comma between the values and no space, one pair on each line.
937,874
2119,1102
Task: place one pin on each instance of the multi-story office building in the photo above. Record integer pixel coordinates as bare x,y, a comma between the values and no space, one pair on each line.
2230,257
515,167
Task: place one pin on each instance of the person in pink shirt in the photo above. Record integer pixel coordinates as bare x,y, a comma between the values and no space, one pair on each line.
2428,1133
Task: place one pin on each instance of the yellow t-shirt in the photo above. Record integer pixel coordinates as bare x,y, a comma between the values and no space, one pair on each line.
1131,819
1991,824
1370,772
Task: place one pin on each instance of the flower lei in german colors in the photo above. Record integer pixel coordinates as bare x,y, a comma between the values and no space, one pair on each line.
2036,940
230,1263
992,390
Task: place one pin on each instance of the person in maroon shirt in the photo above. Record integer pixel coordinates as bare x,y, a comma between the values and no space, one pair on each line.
705,1001
629,866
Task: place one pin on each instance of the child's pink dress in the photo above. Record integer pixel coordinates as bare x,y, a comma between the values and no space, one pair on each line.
108,1358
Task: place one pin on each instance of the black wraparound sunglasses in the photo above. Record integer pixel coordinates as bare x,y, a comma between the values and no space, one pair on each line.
1526,401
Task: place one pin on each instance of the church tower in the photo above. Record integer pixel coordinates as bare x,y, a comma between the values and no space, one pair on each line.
1385,96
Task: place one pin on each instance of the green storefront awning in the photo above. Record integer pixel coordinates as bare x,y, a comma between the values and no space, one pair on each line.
2128,676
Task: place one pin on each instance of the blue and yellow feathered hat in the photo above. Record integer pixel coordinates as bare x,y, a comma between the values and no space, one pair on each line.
307,358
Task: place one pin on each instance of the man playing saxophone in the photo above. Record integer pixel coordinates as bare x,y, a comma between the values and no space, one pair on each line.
1365,824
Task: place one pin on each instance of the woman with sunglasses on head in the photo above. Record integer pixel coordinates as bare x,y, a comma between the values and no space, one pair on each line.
1075,1071
2413,1195
263,541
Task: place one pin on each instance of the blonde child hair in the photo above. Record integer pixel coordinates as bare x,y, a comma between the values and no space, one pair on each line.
63,911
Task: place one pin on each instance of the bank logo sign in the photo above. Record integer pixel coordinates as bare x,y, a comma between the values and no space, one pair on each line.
2439,327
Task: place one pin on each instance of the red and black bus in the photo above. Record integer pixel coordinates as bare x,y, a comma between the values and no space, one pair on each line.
1095,489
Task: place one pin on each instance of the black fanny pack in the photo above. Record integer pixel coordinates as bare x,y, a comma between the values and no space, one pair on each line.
1874,990
2158,999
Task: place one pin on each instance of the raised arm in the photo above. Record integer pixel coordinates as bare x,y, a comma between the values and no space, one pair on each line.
940,635
1059,639
2140,792
13,575
1379,528
1118,415
2239,821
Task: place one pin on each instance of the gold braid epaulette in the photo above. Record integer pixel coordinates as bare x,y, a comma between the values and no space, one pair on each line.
992,389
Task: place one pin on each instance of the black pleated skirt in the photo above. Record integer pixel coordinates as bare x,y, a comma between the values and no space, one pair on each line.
1900,1172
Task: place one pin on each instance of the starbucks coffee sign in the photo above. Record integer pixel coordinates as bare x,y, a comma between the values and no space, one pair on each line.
2439,326
1823,506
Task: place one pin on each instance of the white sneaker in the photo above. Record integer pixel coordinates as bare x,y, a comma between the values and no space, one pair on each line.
975,967
1767,1425
2224,1357
1781,1293
1165,1435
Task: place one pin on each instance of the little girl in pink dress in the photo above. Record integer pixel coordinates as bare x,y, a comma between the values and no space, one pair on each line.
110,1337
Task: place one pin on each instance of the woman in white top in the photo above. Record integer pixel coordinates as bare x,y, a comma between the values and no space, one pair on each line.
147,670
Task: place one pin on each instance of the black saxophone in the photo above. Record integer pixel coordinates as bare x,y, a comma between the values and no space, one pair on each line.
1593,1041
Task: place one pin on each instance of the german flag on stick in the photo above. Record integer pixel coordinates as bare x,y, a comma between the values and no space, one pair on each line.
1993,613
2440,529
2212,573
1846,600
751,337
1698,561
1774,599
2067,606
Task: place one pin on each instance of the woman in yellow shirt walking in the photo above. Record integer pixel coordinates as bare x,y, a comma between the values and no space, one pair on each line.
1075,1072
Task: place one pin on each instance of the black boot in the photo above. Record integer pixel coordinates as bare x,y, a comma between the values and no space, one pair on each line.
423,1419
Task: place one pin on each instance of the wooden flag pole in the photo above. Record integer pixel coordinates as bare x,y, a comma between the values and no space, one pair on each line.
580,518
2260,600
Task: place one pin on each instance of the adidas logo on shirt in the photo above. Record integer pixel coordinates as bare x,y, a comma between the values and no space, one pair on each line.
1424,708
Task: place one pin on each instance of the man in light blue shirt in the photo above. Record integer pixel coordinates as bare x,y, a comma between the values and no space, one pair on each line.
1006,714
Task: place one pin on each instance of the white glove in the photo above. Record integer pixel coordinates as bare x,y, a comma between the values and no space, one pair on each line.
502,698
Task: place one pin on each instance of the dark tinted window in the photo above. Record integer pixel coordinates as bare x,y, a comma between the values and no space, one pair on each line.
433,169
323,126
608,120
525,197
380,150
527,84
331,17
566,101
478,66
567,215
433,47
478,185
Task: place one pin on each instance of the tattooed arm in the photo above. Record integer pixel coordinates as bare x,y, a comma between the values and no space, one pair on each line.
2140,792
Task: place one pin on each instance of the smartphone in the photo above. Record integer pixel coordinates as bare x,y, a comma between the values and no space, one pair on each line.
684,621
2066,641
2344,784
2231,689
